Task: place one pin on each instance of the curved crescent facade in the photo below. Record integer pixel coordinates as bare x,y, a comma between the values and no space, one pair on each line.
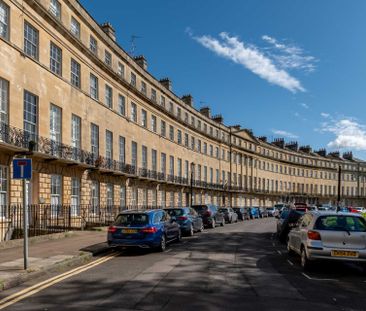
106,133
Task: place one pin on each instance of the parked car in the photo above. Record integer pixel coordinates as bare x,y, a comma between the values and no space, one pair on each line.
229,214
210,215
143,229
242,212
286,221
358,209
187,218
330,236
263,212
254,212
301,207
272,211
325,207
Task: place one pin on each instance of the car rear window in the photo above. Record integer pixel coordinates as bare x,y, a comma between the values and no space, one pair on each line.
341,223
132,220
175,212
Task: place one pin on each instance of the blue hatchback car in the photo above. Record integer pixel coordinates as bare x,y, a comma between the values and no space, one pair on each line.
144,229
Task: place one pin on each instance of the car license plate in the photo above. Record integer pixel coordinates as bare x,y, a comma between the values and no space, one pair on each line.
336,253
129,231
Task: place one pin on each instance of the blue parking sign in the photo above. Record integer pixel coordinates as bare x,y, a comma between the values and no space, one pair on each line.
22,168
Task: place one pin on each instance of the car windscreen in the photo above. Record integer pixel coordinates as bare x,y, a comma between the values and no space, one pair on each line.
340,223
223,210
131,220
175,212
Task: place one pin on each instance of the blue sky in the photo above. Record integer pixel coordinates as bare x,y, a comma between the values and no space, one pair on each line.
284,68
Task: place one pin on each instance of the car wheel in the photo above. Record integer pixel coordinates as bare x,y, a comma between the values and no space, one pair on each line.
223,222
305,263
231,220
213,224
162,245
191,231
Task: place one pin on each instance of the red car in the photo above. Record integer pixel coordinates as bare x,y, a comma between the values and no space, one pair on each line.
301,207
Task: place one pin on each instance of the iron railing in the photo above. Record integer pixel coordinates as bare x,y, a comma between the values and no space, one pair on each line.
48,219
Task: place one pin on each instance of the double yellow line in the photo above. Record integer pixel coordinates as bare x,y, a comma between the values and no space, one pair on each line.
10,300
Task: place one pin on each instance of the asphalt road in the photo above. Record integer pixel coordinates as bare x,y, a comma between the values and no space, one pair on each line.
237,267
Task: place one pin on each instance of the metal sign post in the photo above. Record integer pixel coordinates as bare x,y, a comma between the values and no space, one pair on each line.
22,169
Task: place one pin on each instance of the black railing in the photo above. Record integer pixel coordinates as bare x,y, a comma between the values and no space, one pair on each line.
48,219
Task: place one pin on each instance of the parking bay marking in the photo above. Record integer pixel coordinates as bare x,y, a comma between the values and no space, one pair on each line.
290,262
10,300
317,279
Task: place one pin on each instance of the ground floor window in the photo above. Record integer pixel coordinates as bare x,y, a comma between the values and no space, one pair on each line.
95,197
75,196
110,194
171,199
56,194
3,190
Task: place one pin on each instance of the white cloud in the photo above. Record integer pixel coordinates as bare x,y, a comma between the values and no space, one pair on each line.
325,115
306,106
284,134
296,114
348,134
250,57
289,56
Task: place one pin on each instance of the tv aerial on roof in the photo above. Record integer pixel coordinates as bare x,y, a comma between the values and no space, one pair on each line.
133,44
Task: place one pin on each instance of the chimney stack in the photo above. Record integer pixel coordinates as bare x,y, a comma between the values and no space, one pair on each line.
279,142
141,61
188,99
166,83
322,152
109,30
218,118
263,138
206,111
306,149
293,145
348,155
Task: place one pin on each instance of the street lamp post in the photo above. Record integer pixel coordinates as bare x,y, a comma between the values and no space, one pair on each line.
192,172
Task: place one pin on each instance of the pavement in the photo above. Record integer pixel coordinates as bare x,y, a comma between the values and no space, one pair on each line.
48,254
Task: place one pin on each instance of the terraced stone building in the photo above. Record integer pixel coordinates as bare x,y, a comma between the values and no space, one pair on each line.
105,132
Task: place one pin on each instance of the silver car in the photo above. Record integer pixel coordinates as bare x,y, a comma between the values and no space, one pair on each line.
329,235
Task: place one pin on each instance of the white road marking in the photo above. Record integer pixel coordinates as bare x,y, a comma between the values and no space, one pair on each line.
317,279
279,252
168,250
291,263
10,300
